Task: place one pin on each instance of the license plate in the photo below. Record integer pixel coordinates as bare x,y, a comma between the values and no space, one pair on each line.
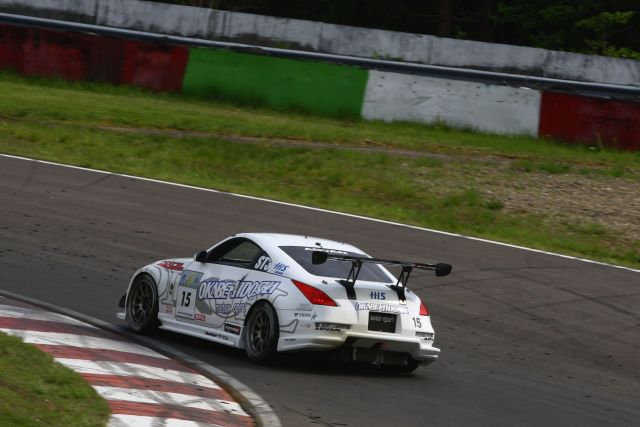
382,322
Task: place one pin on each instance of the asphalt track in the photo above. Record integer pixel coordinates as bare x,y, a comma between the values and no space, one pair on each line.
527,338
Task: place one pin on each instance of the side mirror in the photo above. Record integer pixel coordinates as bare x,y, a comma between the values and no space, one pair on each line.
443,269
319,257
201,256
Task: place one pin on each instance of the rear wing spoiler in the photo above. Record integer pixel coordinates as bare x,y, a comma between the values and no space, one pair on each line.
320,257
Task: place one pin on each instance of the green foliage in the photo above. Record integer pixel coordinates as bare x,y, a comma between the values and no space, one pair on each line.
602,26
587,26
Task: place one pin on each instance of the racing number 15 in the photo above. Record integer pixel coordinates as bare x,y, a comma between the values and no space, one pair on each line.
186,302
416,322
186,299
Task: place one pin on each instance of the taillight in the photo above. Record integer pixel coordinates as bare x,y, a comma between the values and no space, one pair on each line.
314,295
423,309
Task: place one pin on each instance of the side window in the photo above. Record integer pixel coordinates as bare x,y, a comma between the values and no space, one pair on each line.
240,252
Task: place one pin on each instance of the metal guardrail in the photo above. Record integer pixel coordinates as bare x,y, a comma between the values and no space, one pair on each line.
600,90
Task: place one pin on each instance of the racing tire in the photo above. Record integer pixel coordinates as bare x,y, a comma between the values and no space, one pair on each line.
411,366
262,331
142,305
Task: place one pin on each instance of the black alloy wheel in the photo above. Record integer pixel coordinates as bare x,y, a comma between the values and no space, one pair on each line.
262,331
142,305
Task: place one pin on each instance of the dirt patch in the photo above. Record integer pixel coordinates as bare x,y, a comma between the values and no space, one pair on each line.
581,200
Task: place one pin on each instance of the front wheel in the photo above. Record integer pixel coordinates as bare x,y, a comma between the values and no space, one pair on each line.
262,332
142,305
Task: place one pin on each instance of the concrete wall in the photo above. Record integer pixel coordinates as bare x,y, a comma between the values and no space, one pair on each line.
487,108
317,36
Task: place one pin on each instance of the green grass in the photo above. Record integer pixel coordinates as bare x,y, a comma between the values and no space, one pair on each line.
36,391
97,104
451,188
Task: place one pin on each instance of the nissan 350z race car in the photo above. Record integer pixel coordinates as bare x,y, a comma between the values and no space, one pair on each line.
267,293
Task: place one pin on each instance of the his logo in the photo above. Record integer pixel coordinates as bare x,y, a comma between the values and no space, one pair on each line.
377,295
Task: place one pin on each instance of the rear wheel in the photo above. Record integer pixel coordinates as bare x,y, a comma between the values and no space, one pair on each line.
262,332
142,305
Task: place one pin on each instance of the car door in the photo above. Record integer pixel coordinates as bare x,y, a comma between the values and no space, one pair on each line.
212,293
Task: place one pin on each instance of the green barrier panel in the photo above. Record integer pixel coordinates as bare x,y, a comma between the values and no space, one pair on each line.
281,83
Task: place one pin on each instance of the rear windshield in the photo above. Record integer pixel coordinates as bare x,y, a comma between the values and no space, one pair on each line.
335,268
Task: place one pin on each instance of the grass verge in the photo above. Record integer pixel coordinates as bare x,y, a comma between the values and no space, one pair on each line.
513,189
36,391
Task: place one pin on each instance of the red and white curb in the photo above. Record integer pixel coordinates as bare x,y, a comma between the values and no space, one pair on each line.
142,387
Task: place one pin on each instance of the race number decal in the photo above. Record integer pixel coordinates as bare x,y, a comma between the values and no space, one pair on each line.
187,293
263,263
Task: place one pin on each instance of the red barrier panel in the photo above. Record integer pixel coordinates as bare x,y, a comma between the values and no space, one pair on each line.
155,67
57,54
12,40
107,57
76,56
590,120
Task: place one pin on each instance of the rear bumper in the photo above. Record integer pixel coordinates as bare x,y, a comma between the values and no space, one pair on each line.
419,349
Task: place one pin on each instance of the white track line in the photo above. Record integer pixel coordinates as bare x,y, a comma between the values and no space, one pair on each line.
167,398
123,420
25,313
136,370
82,341
381,221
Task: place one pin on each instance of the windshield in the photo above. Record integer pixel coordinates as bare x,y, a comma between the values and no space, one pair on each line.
335,268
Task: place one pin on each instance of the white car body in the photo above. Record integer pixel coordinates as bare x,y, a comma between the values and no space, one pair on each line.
212,300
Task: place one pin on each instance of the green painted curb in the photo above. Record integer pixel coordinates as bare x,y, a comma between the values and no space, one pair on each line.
279,83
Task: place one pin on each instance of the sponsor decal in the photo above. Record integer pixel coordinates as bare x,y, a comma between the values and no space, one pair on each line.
229,289
329,251
306,324
333,327
377,295
200,317
190,279
280,268
380,307
168,308
304,307
231,297
216,335
305,315
231,328
171,265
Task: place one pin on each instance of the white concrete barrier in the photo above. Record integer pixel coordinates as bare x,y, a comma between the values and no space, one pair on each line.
160,18
487,108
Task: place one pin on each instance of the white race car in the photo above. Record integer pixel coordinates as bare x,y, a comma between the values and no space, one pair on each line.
275,292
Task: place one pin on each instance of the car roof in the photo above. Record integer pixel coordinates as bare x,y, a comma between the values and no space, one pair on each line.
278,239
